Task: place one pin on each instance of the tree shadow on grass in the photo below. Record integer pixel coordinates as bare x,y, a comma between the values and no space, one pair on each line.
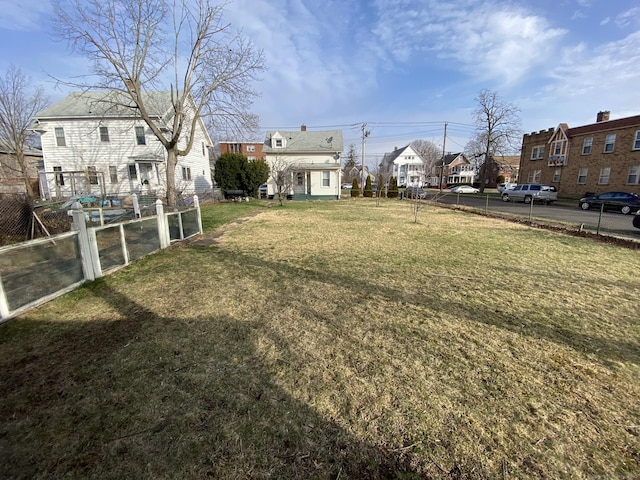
148,396
607,350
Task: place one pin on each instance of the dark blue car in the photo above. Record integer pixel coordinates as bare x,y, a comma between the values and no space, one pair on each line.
623,202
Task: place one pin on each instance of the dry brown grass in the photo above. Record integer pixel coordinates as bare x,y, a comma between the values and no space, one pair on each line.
336,340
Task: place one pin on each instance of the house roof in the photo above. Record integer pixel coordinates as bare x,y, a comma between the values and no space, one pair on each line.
101,104
9,150
603,126
512,160
391,157
306,141
449,158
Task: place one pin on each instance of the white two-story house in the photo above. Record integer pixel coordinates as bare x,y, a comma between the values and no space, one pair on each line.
406,164
311,160
95,143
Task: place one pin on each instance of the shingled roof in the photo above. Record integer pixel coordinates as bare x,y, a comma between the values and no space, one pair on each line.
103,104
306,141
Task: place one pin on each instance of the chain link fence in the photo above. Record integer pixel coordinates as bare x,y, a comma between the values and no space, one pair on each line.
20,220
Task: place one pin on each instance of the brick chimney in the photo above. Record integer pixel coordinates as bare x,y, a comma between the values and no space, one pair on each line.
303,128
603,116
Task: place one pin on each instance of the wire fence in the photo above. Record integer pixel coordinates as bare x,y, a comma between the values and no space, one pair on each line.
22,219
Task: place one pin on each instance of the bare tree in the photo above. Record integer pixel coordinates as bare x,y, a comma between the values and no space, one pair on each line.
19,102
183,47
429,152
498,130
282,170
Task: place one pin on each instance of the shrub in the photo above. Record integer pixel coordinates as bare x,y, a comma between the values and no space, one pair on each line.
368,189
393,188
355,188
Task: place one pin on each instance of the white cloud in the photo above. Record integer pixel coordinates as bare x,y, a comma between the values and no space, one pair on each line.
629,18
485,39
23,15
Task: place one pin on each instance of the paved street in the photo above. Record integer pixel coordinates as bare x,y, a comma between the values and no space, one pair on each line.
563,211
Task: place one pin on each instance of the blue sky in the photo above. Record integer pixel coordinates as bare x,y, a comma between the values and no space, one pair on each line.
403,66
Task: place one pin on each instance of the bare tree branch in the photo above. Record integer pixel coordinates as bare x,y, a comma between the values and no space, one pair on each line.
498,130
182,47
19,102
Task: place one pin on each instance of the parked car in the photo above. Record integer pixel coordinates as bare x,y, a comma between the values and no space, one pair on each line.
415,192
636,219
464,189
529,192
619,201
346,186
502,187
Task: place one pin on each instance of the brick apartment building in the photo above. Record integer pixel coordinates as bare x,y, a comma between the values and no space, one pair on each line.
595,158
251,150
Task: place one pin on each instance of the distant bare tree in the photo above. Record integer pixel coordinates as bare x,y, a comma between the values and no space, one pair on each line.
429,152
183,47
498,129
19,102
351,158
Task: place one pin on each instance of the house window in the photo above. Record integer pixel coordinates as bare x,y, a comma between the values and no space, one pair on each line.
633,176
113,174
60,141
59,176
534,176
557,149
609,143
92,173
604,175
203,149
300,179
582,176
186,173
140,138
278,142
537,153
326,178
133,173
636,141
251,148
556,175
251,159
104,134
586,145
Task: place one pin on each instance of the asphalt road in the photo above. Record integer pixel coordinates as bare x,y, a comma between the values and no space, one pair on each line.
566,211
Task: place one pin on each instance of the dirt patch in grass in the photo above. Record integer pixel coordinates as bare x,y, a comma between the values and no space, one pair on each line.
336,340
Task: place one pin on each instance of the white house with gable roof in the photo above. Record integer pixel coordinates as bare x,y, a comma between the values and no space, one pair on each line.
311,159
95,143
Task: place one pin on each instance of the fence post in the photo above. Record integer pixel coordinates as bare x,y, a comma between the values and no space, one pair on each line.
136,205
196,204
80,226
163,225
4,304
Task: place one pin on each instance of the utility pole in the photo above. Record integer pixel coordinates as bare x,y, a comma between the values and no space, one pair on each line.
444,143
365,134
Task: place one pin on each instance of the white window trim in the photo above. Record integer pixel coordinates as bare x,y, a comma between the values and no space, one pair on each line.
586,172
612,143
586,145
636,141
605,174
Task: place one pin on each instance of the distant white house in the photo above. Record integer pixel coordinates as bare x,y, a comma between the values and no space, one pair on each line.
406,165
95,143
311,160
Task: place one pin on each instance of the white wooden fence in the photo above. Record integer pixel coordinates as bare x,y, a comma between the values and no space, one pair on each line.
37,271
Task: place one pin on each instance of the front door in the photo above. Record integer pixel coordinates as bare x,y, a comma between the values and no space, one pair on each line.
147,176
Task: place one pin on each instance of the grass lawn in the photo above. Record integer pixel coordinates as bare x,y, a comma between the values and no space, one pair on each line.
335,340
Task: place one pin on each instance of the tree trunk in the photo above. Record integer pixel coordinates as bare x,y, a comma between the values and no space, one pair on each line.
172,160
25,173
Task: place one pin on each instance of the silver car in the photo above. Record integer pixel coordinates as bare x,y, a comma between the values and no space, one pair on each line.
529,192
